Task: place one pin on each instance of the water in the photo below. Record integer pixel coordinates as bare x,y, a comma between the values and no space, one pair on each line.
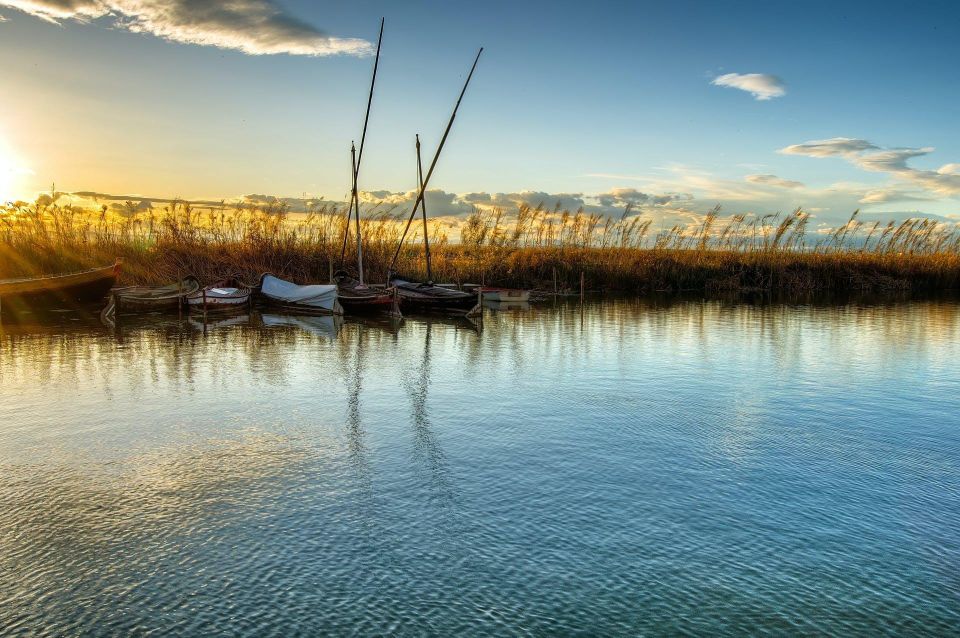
636,468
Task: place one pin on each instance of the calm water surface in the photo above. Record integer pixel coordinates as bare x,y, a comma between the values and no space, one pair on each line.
635,468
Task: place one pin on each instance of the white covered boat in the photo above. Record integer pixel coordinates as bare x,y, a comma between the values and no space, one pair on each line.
318,298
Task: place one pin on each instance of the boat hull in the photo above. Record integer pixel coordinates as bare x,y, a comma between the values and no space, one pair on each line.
224,296
431,298
144,299
357,298
505,294
80,287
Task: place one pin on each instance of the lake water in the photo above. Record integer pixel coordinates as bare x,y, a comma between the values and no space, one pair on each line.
634,467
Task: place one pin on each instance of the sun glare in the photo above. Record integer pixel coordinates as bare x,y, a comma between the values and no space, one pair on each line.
11,172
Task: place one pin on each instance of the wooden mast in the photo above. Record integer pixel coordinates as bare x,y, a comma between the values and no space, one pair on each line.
356,204
433,164
423,208
354,200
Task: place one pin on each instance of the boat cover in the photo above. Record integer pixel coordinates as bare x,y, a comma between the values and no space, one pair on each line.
321,296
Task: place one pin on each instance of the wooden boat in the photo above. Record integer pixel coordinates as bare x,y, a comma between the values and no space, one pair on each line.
312,298
505,294
77,287
357,297
430,297
353,294
152,298
225,295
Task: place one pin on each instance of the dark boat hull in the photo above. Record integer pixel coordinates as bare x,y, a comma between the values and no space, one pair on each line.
156,299
71,289
430,298
357,298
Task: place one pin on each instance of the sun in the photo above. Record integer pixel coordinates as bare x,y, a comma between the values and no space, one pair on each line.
11,170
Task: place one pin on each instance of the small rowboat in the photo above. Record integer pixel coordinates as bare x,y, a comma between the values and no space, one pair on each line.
505,294
356,297
311,298
222,296
83,286
150,298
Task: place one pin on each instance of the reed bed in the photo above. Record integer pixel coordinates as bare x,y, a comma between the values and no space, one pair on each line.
532,247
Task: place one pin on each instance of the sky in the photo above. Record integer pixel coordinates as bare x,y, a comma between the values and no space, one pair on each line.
672,107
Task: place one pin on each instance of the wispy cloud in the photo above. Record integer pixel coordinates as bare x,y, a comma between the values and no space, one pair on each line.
893,161
762,86
255,27
829,148
773,180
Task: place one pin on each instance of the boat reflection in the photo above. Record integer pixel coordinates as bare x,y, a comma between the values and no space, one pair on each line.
502,306
320,325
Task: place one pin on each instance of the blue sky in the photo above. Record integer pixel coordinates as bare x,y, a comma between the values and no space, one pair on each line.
571,102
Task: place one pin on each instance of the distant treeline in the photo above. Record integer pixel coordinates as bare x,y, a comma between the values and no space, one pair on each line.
531,247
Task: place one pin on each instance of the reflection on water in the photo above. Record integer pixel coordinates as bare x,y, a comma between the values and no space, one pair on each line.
631,467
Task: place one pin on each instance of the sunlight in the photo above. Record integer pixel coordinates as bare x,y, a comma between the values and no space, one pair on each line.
11,171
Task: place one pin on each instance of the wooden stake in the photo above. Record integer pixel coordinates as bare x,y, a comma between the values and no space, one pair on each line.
581,287
204,306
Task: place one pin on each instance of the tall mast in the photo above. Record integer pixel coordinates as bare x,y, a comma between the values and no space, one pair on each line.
423,208
354,200
433,164
356,203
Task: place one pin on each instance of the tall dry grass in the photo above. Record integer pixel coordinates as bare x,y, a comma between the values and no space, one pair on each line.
532,247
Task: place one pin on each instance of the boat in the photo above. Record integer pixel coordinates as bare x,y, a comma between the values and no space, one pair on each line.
433,298
222,296
354,295
312,298
76,287
427,296
357,297
151,298
504,294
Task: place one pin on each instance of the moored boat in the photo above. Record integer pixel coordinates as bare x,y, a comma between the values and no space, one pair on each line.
504,294
153,298
430,297
357,297
314,298
222,296
76,287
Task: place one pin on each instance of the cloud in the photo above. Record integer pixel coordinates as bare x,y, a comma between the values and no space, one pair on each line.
773,180
255,27
761,85
828,148
894,161
885,195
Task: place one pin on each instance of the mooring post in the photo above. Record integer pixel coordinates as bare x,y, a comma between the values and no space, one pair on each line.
554,280
581,287
204,307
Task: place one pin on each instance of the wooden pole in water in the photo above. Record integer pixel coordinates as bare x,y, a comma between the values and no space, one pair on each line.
581,287
433,164
204,305
554,280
